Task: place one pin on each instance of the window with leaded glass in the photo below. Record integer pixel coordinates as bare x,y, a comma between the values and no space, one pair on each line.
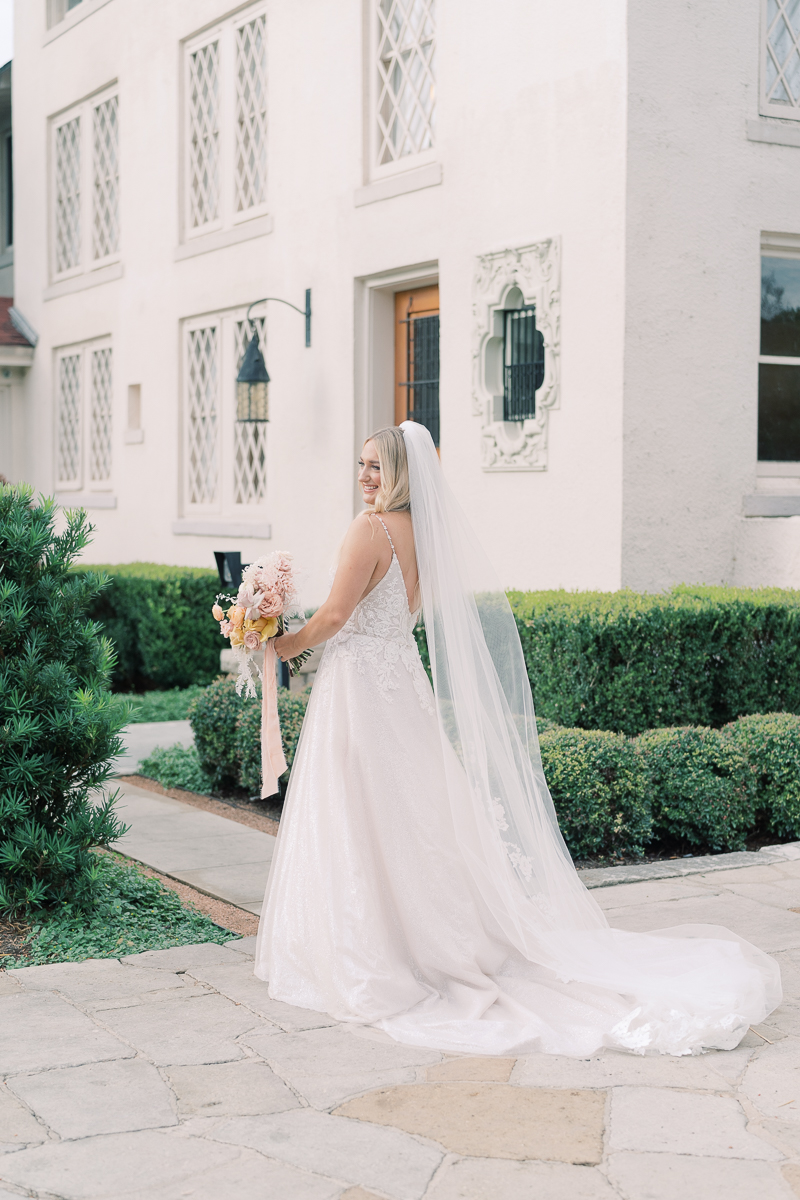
225,460
780,58
226,124
779,361
84,404
404,79
85,225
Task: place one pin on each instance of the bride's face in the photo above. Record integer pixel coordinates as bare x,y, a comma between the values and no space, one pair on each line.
369,472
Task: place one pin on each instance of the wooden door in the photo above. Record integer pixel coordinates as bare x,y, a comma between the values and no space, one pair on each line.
416,357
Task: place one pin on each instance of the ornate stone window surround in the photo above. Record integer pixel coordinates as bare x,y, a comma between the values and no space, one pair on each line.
511,278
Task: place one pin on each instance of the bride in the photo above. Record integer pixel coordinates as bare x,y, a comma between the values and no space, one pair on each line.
420,882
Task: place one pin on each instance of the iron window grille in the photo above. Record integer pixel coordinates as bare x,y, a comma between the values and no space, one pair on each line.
523,363
422,372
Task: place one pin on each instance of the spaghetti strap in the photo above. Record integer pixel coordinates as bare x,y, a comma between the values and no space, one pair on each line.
386,531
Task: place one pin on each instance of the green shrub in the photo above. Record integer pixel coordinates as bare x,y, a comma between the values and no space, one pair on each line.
132,913
598,788
631,662
291,710
701,788
227,733
159,619
771,744
176,767
58,723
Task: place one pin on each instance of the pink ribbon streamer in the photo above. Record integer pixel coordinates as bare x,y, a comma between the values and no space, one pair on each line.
273,762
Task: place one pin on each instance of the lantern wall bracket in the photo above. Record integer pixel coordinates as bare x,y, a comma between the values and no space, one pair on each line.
304,312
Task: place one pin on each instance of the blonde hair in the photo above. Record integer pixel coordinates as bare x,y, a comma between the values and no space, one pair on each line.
393,494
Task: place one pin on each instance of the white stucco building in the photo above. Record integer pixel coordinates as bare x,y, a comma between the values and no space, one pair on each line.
576,197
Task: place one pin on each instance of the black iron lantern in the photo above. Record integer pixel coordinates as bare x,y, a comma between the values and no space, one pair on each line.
252,384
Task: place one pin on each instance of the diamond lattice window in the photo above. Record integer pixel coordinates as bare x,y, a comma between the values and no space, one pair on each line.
251,114
202,416
250,437
204,135
69,418
782,56
105,216
406,103
68,195
100,428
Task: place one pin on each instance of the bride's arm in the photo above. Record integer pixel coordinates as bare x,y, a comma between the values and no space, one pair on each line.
357,563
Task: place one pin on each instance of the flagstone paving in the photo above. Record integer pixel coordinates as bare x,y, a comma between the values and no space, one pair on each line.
171,1074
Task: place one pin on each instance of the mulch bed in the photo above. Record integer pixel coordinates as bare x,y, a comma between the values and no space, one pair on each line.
12,935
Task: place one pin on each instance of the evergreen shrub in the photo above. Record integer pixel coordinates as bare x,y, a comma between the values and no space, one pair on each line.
629,662
598,786
771,744
159,619
59,725
701,787
227,733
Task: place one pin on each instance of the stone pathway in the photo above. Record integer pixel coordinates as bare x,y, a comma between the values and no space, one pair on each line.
171,1074
142,738
213,854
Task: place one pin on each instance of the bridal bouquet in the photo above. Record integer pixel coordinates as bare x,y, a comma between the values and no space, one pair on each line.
266,596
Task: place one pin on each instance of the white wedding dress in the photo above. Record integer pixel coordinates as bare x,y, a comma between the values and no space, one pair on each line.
381,908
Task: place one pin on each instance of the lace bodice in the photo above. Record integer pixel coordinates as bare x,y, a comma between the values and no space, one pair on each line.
379,636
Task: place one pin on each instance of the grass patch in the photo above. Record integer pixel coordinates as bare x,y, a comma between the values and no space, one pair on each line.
176,767
133,913
172,705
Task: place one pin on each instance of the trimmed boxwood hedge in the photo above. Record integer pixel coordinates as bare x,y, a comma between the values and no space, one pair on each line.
599,791
159,619
227,733
629,661
771,744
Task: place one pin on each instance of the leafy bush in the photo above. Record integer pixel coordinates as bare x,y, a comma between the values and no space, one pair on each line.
598,788
702,789
176,767
771,744
159,619
132,913
631,662
58,724
227,733
171,705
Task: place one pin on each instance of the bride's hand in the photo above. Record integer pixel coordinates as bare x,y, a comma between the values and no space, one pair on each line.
283,647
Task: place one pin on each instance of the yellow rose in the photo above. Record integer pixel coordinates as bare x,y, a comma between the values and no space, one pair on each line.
270,628
237,637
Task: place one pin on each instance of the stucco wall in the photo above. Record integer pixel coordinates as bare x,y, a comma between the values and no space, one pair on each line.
531,139
699,195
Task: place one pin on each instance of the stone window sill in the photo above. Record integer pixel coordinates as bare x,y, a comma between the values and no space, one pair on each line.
774,132
86,499
258,227
399,185
89,279
222,527
766,504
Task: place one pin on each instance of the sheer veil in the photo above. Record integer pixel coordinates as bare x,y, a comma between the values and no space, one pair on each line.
503,814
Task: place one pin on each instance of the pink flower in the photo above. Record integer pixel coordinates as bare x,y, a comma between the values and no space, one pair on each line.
225,628
252,639
270,604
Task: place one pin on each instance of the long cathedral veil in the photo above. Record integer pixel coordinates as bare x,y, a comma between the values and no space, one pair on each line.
503,814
